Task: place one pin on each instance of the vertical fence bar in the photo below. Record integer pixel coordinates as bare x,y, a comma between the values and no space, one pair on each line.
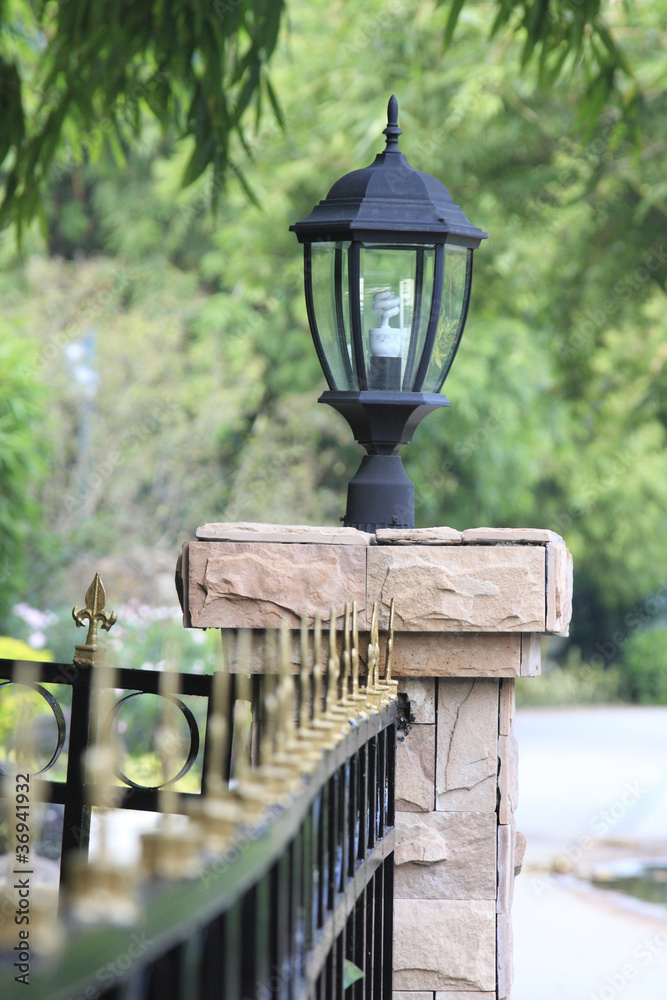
76,816
333,832
323,854
362,800
388,928
378,933
381,783
343,821
371,799
369,944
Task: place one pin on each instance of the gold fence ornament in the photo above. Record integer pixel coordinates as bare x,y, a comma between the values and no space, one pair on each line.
101,889
308,736
172,850
219,812
95,615
356,700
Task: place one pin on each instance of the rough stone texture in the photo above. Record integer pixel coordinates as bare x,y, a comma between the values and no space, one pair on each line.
519,851
442,944
418,536
506,837
505,955
445,855
559,589
420,692
411,995
249,531
415,770
531,655
508,777
467,758
506,706
458,995
525,536
473,588
450,654
235,585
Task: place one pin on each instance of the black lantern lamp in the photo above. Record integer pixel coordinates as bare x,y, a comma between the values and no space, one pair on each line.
388,268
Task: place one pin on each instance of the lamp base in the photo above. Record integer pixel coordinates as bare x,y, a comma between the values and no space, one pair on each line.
380,495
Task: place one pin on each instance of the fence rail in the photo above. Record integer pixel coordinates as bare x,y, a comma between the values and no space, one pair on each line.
291,895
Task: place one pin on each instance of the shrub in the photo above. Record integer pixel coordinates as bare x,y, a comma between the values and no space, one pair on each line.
644,667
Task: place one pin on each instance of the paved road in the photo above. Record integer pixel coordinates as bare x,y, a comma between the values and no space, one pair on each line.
597,774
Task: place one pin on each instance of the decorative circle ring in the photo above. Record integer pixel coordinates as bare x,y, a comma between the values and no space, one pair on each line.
57,714
194,739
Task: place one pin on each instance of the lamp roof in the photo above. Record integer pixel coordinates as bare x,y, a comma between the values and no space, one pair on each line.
388,197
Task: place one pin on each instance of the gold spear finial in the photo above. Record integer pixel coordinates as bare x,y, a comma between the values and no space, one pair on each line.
95,614
390,644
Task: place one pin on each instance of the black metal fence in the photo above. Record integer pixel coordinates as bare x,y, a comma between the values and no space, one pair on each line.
298,903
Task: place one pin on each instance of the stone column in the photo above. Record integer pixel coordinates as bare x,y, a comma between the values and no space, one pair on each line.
470,608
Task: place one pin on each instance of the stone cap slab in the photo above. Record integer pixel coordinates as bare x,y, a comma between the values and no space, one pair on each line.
506,580
249,531
470,536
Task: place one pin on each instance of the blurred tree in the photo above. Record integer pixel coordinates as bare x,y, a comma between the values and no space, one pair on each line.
79,78
204,406
22,465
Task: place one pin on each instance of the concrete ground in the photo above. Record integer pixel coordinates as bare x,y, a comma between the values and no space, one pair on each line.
593,790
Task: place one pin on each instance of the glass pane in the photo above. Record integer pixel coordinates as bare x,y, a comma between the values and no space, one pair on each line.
330,301
396,289
455,295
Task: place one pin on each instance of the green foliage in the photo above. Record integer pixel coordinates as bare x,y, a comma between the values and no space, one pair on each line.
351,973
559,36
100,67
16,649
22,465
574,683
202,406
644,667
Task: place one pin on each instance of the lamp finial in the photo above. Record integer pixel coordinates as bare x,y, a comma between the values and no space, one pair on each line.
392,130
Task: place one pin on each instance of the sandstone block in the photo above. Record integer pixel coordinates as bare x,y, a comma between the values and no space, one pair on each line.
463,995
507,706
559,589
500,536
505,956
418,536
442,944
415,770
445,855
531,655
506,835
467,758
470,588
410,995
236,585
420,692
250,531
519,851
451,654
508,777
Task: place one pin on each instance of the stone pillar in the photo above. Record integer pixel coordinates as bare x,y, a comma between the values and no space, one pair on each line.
470,608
